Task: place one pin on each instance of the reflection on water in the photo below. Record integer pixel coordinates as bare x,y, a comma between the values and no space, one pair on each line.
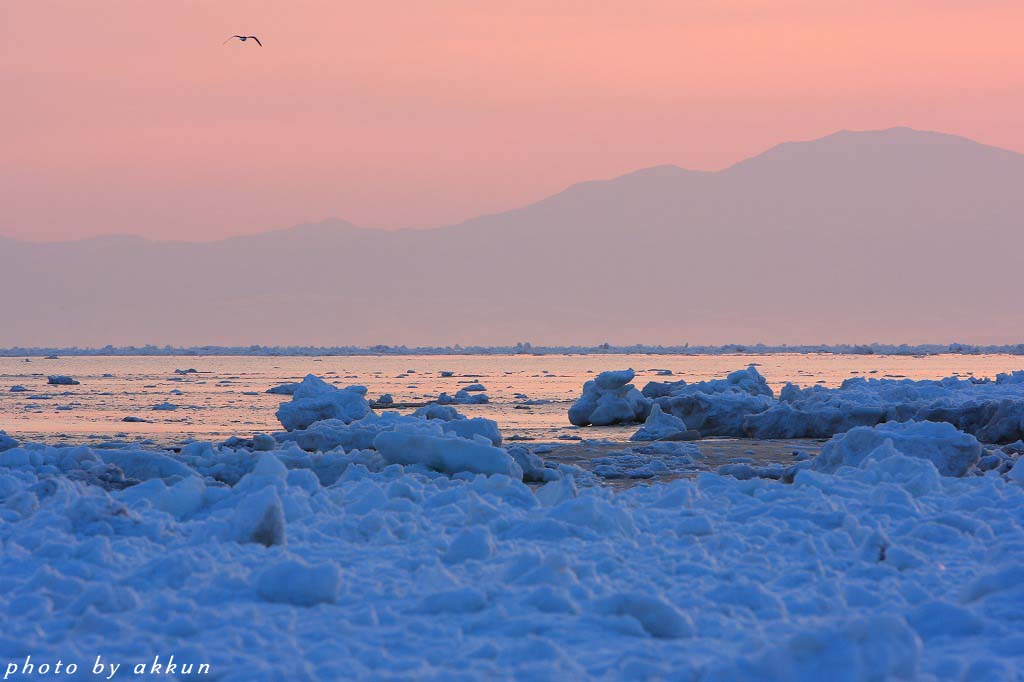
226,396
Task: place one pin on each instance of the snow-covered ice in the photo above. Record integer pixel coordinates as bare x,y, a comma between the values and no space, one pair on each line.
417,551
288,388
661,426
743,405
952,452
463,397
314,400
6,442
992,410
609,399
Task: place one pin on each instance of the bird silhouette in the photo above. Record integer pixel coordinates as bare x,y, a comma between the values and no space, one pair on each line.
243,39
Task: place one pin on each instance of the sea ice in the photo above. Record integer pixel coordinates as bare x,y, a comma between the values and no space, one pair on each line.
315,400
463,397
435,450
284,389
661,426
428,557
992,410
6,442
292,581
952,452
714,408
609,399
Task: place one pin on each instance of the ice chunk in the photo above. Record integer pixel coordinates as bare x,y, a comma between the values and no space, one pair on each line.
6,442
446,454
556,492
942,619
720,407
463,397
609,399
180,500
874,648
993,411
656,616
61,380
1015,475
461,600
661,426
295,582
284,389
472,543
144,465
613,379
953,452
259,518
263,442
315,400
477,426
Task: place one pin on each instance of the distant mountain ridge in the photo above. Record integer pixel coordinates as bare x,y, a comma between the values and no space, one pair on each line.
894,236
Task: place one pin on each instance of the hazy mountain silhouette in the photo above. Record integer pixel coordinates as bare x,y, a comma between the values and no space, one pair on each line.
894,235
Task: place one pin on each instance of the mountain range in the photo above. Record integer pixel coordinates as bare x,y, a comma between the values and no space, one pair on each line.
895,235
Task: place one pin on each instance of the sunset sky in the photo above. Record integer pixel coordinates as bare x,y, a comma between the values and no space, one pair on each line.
131,117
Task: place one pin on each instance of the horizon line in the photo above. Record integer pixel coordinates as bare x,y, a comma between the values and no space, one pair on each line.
521,348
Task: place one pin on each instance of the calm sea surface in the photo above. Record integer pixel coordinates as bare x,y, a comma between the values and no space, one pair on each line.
226,396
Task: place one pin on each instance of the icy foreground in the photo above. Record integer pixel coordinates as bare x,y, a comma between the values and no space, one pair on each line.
390,558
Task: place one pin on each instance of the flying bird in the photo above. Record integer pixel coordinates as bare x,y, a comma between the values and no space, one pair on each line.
243,39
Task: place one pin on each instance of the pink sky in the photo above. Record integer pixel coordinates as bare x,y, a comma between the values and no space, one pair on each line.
121,116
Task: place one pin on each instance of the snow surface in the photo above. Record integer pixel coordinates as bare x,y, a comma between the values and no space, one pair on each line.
401,561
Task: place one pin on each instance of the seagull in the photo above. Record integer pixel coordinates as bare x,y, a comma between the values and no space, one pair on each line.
243,39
